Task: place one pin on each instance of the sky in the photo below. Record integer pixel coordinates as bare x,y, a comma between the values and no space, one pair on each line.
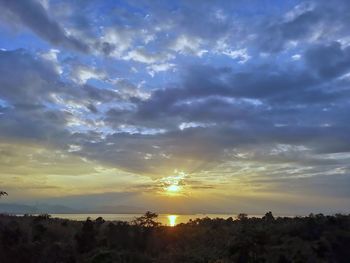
179,106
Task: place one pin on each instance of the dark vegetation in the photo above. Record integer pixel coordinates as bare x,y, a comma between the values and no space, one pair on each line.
316,238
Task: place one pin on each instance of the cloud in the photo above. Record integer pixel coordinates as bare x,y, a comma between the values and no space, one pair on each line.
155,68
188,45
115,41
33,15
141,55
329,60
308,22
25,80
52,56
81,74
253,101
303,26
241,54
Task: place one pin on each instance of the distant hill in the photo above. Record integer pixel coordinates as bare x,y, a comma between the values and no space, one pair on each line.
13,208
37,208
9,208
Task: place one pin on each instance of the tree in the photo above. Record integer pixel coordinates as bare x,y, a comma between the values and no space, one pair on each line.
242,217
268,217
86,237
99,221
147,220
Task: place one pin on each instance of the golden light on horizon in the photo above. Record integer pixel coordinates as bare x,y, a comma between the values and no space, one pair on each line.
172,220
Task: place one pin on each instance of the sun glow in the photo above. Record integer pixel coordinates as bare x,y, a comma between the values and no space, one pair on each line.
173,188
172,220
174,185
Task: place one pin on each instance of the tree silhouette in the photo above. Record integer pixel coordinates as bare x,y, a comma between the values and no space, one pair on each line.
268,217
86,237
317,238
242,217
147,220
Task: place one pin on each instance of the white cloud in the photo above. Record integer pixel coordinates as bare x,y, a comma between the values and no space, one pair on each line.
188,45
74,148
132,129
296,57
121,39
187,125
51,56
141,55
155,68
81,74
147,37
127,89
299,10
44,3
240,54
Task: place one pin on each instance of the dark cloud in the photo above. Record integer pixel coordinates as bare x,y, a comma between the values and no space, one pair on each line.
221,93
229,110
34,16
24,79
328,60
35,98
306,23
277,35
40,125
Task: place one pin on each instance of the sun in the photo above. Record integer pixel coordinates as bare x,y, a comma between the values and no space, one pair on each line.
173,188
173,185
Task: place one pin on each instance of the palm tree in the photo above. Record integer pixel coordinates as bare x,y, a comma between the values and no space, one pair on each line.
2,193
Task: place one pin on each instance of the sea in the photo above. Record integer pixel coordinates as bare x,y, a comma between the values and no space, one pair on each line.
164,219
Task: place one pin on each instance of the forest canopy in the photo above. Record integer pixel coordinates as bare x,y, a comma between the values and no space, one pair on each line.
315,238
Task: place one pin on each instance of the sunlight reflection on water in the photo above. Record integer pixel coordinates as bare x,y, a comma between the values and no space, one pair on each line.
172,220
165,219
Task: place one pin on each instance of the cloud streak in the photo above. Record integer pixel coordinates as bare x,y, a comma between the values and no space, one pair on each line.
33,15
